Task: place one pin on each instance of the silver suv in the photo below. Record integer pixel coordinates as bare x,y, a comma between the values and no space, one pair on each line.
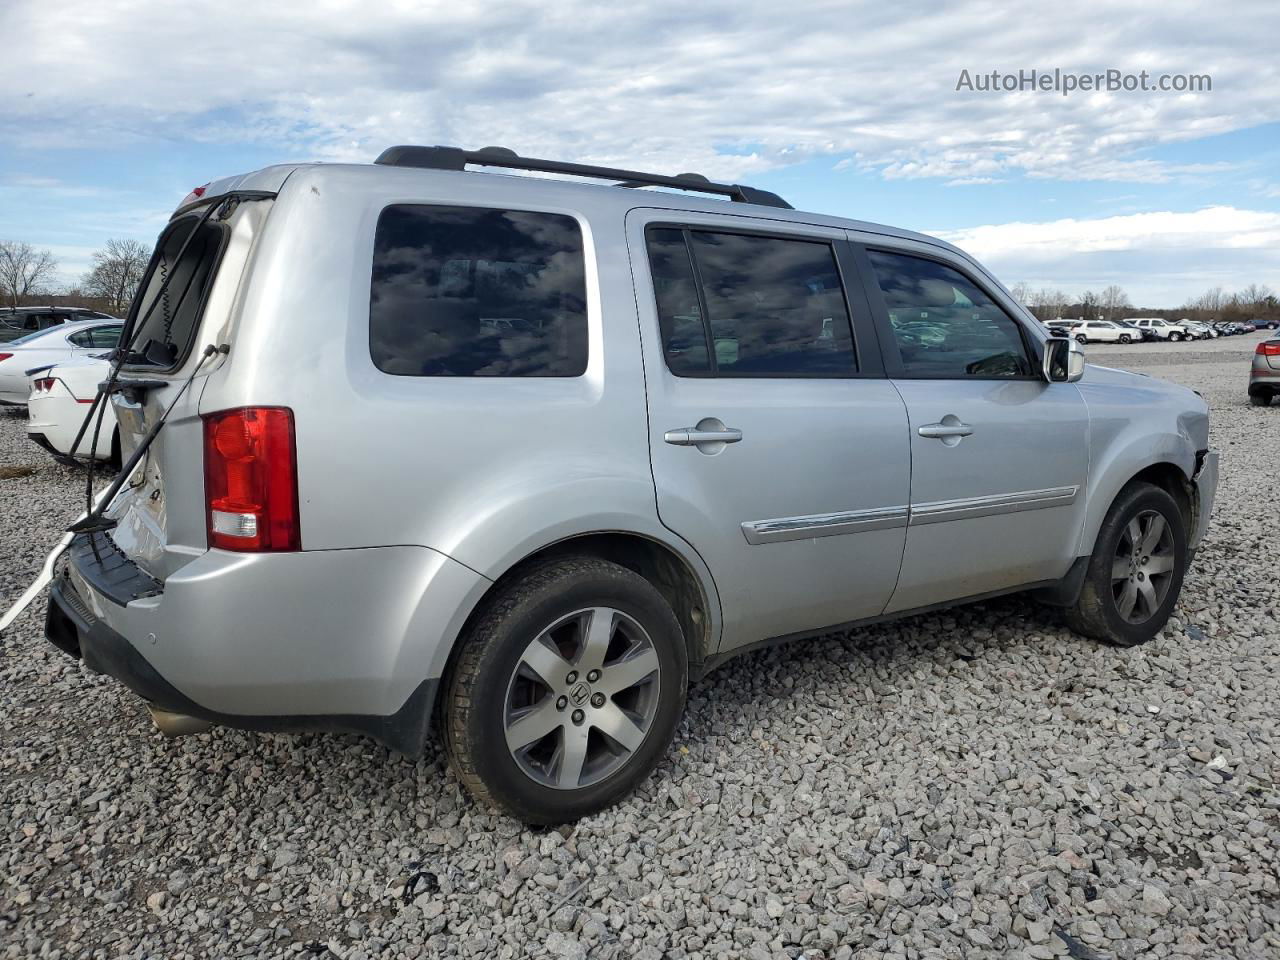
412,446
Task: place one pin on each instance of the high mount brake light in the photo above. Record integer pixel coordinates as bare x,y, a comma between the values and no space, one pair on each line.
194,195
251,480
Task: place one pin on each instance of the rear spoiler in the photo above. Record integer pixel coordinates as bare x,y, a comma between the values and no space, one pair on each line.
262,184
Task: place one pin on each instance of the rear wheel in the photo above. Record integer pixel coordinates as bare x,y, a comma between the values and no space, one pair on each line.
1136,570
1125,338
567,691
1175,337
1081,338
1260,399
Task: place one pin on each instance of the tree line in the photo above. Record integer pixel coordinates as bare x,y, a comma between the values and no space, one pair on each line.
1112,303
29,275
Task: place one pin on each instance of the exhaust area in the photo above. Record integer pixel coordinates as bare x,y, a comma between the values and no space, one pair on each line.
176,724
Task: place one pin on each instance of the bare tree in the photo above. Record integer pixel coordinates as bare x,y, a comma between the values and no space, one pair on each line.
24,271
1090,304
1114,299
117,270
1023,293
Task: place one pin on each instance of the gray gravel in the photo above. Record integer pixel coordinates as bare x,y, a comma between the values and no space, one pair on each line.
975,782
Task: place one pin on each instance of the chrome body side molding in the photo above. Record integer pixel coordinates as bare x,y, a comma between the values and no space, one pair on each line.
940,511
825,524
884,518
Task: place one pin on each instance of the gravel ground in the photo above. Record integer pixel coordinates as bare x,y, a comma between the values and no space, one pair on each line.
975,782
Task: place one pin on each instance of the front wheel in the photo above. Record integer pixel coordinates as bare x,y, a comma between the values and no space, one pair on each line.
566,692
1081,338
1175,337
1136,570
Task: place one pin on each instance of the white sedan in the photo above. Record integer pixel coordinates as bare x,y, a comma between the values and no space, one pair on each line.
79,339
61,398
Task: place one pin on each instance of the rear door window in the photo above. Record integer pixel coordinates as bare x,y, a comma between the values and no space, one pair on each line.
738,305
477,292
170,325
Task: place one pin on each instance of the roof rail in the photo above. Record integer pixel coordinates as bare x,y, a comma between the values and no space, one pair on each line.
455,158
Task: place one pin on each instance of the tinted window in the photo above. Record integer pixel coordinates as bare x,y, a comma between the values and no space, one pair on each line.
684,338
172,323
473,292
945,326
104,336
81,338
767,307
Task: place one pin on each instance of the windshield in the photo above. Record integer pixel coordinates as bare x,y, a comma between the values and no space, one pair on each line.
168,327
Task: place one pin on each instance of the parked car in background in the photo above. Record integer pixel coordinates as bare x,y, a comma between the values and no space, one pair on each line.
76,338
1228,328
19,321
1272,324
1103,331
1249,326
61,396
1197,330
630,418
1136,334
1264,376
1161,329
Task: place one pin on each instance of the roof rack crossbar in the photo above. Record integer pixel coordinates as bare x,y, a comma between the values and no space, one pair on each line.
455,158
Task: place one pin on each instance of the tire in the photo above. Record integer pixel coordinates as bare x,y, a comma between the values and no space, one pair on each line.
1175,337
1260,399
1098,611
1125,338
491,689
1081,338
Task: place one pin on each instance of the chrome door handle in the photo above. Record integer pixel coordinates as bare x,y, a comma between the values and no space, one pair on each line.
692,436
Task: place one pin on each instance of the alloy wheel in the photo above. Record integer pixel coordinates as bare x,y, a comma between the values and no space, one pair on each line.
582,698
1143,566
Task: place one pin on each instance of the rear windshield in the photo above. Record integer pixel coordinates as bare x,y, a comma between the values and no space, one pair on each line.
165,335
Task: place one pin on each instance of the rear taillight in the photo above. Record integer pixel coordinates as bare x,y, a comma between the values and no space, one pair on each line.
1269,349
43,384
251,480
5,356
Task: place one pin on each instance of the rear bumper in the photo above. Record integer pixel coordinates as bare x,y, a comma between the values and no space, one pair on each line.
70,626
1206,488
342,640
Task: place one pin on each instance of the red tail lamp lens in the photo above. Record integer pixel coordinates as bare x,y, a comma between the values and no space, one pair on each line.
251,480
1270,349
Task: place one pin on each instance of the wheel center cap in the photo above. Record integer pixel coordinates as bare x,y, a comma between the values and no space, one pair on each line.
580,694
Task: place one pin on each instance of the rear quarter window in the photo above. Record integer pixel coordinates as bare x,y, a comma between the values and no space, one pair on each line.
477,292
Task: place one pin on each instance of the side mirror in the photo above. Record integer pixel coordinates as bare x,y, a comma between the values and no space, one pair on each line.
1063,360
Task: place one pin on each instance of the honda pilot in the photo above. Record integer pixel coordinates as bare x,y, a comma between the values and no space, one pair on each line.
424,448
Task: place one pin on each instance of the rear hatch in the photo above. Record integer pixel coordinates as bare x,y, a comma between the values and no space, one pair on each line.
185,305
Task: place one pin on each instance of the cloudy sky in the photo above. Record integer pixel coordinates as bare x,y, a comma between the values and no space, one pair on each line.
113,109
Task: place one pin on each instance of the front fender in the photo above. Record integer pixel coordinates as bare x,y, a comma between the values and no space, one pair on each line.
1135,422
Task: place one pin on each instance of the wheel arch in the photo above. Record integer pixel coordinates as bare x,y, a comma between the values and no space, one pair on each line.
679,576
1174,478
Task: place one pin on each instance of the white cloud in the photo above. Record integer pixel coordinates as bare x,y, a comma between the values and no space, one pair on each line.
723,87
1162,258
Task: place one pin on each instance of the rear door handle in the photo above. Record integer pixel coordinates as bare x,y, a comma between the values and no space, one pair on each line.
692,436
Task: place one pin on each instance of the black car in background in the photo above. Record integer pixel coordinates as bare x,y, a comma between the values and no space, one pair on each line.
19,321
